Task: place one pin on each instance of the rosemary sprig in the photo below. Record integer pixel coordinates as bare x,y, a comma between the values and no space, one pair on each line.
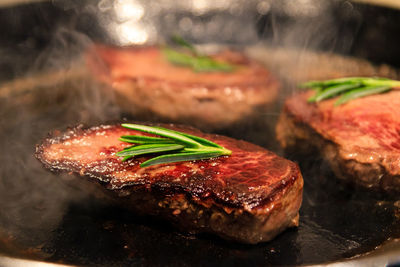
193,58
197,63
182,42
172,146
349,88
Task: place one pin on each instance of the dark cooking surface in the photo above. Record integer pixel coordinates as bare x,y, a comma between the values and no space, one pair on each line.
121,238
60,218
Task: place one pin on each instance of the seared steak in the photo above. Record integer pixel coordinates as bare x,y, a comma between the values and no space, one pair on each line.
147,84
250,196
360,139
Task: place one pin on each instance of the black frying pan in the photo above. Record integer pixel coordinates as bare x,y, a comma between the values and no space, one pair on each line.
63,219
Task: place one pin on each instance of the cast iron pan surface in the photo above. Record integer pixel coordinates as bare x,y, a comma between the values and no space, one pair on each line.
62,218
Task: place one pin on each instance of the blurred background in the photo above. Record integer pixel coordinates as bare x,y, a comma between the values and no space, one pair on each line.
34,31
44,87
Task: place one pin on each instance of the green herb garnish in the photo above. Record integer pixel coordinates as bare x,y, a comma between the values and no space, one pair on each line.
173,146
197,63
349,88
193,59
183,43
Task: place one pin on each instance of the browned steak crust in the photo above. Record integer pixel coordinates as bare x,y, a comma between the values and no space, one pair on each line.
250,196
360,140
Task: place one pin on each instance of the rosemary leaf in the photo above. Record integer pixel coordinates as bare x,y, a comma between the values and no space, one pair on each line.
202,141
178,58
182,42
327,83
139,139
179,157
318,90
361,92
149,149
207,64
129,147
197,63
311,84
126,158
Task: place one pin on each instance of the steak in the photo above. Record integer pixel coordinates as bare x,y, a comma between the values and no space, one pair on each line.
250,196
146,84
360,139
